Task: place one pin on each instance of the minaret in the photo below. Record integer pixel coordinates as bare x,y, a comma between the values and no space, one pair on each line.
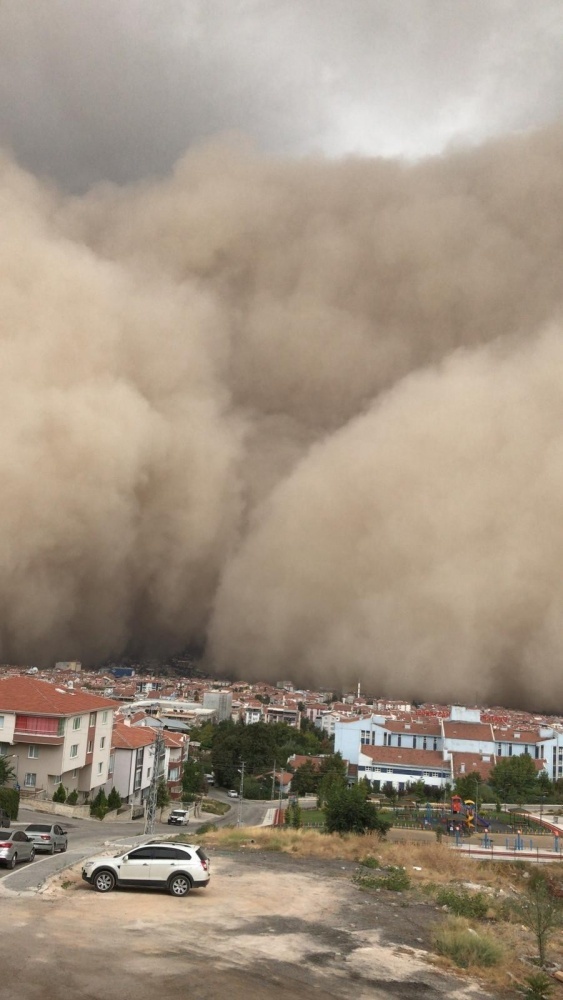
358,689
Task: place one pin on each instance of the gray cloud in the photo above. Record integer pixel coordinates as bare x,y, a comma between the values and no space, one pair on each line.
103,90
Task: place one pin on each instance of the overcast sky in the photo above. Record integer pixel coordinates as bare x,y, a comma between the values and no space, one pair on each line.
119,89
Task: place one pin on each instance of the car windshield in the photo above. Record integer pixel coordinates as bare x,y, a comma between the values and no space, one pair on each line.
38,828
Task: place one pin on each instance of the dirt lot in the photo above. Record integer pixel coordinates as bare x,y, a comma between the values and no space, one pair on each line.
267,926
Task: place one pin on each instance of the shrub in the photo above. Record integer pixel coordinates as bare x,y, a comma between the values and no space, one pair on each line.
114,799
541,912
10,801
206,828
72,798
370,862
462,903
460,943
538,987
99,806
396,880
60,794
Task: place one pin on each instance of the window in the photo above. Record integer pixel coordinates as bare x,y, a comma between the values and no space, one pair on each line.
104,717
33,751
435,743
148,772
75,772
74,750
174,774
61,727
76,722
399,740
92,719
102,742
364,737
4,747
1,721
499,749
424,741
56,778
30,780
90,746
111,763
100,767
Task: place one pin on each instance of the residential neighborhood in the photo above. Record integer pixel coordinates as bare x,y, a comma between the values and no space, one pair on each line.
93,729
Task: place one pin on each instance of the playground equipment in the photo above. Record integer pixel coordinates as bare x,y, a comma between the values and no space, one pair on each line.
468,811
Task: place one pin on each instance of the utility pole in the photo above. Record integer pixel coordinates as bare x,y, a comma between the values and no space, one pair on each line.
273,782
150,816
241,794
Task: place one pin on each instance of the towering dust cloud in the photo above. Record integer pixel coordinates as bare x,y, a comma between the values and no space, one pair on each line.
311,412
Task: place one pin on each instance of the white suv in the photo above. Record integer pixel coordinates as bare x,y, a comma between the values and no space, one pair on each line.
176,867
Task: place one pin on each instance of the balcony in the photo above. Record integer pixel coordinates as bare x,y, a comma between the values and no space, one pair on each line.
50,739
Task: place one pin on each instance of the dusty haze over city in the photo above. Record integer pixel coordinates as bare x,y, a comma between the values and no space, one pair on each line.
281,339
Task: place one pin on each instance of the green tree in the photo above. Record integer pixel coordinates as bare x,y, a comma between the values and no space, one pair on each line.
193,780
306,779
99,805
541,912
7,772
296,818
162,795
60,794
333,775
468,786
514,779
114,800
348,811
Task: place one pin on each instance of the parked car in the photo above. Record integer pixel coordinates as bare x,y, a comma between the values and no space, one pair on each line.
176,867
15,846
179,817
5,820
47,837
232,794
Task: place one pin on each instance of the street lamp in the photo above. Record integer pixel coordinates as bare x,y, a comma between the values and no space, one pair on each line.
476,797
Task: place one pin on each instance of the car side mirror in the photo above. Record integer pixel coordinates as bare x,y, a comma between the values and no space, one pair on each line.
63,833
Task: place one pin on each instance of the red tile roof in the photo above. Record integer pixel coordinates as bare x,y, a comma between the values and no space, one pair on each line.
131,737
406,757
524,735
465,763
479,732
35,697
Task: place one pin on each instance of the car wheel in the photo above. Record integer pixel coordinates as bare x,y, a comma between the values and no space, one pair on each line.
12,861
179,885
104,881
32,854
64,847
52,851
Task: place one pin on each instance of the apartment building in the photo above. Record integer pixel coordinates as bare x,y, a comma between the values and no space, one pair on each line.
438,750
54,735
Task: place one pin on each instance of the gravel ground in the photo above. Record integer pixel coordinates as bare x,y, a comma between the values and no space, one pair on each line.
268,926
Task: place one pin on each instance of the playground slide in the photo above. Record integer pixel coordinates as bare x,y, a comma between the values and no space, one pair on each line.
480,821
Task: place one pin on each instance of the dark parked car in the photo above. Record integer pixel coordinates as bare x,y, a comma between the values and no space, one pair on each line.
47,837
5,820
15,846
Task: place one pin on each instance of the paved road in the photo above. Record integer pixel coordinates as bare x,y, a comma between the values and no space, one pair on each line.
90,836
